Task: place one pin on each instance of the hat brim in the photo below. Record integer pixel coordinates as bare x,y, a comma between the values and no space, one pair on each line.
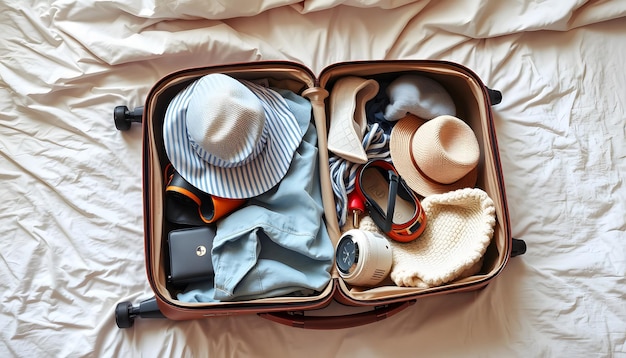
241,182
400,148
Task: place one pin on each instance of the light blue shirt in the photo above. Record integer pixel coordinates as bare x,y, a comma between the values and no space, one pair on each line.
278,244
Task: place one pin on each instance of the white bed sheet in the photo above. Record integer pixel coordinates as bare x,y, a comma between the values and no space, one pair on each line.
71,229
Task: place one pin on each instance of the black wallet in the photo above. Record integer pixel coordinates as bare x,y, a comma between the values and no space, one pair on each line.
190,254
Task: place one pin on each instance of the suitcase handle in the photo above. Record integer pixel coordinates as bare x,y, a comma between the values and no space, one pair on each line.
299,320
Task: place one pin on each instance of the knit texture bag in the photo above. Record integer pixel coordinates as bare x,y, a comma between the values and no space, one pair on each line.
460,227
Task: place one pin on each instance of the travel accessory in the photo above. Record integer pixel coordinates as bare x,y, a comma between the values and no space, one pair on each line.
190,254
363,258
460,227
435,156
389,201
348,121
356,206
418,95
230,138
186,205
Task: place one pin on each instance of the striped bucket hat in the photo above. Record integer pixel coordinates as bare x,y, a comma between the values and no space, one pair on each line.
230,138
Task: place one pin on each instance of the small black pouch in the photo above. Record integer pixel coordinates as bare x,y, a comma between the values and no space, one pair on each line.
190,254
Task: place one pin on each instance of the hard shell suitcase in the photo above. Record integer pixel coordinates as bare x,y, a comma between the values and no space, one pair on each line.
473,101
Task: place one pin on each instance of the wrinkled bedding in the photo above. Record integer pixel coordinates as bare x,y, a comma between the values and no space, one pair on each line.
71,220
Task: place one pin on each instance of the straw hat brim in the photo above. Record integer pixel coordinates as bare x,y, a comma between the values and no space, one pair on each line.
400,148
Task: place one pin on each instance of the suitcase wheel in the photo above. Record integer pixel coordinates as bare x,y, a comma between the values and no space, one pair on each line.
123,318
495,96
519,247
126,312
123,117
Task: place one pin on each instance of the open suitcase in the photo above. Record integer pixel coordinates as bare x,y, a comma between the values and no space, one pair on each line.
473,102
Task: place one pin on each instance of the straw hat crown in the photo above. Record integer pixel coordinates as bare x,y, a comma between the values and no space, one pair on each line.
435,156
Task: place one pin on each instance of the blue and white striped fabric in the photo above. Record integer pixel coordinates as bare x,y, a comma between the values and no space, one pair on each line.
260,150
343,172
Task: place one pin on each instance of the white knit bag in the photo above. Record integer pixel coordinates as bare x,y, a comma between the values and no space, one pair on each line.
459,227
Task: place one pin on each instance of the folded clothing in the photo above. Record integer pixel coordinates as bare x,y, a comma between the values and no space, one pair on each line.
418,95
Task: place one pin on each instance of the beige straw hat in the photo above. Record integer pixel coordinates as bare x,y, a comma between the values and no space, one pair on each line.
435,156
